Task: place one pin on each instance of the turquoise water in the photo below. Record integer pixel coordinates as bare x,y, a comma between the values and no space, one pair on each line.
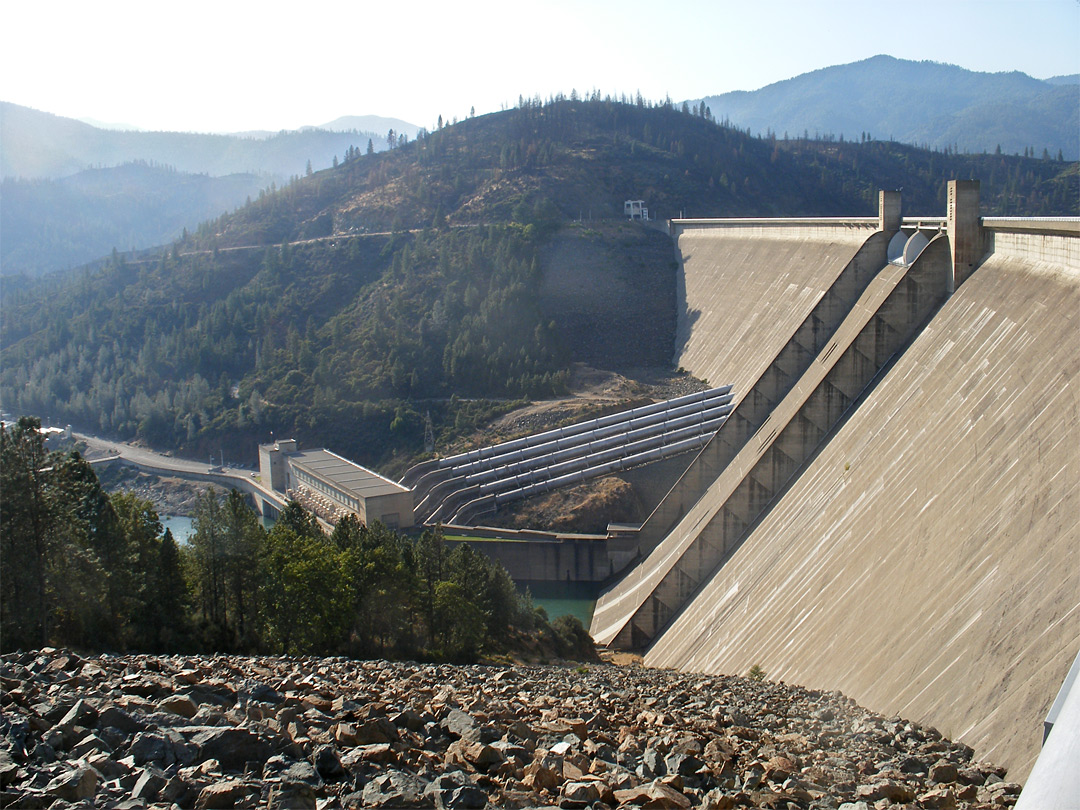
564,598
183,527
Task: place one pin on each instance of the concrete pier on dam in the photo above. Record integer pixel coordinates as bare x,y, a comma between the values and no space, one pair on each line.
924,557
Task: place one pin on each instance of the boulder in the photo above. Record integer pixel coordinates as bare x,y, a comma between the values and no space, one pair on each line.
222,795
74,785
292,796
397,789
579,794
232,747
179,704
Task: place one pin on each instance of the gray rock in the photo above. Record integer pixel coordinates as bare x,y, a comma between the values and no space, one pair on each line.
652,764
81,714
15,731
232,747
292,796
152,746
115,717
264,693
148,785
9,769
467,797
74,785
578,794
88,745
327,762
683,764
178,791
461,726
397,789
302,771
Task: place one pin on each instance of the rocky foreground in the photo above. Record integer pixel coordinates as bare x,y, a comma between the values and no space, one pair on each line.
230,731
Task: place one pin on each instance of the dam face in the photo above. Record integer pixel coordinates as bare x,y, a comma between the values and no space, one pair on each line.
925,560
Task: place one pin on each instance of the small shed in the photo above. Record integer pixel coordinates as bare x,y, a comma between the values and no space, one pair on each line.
635,209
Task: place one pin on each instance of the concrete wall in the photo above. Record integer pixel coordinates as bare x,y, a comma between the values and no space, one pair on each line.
394,510
893,307
549,559
927,561
743,289
266,501
753,267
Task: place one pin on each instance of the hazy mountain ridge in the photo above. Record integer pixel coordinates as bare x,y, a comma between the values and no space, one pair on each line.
51,224
59,213
580,160
368,123
925,103
39,144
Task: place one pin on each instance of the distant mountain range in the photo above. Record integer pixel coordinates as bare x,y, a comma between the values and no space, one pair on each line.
39,144
83,189
52,224
73,191
924,103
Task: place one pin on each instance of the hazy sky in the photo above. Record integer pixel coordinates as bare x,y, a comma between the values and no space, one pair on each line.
229,66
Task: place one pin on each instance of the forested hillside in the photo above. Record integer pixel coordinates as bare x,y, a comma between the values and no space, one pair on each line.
436,277
48,225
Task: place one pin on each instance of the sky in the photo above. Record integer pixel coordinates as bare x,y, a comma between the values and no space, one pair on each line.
231,66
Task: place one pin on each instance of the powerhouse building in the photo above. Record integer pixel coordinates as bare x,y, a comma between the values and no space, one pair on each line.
332,487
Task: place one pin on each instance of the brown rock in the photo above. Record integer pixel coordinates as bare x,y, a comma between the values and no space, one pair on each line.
222,795
380,753
344,733
885,789
540,777
778,769
653,795
939,799
179,704
943,771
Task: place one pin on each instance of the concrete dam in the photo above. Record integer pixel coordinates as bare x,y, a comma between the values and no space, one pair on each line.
892,509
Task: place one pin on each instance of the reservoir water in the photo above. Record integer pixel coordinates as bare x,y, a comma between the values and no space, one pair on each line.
183,527
564,598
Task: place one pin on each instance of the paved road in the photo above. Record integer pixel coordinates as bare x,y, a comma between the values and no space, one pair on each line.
98,448
101,448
